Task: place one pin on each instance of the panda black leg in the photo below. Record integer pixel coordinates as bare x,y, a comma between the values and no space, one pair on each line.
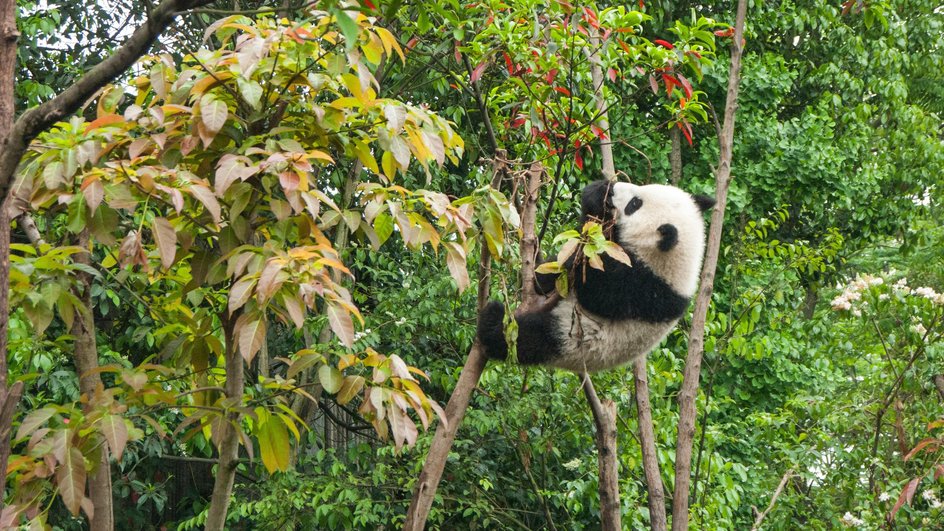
538,338
491,330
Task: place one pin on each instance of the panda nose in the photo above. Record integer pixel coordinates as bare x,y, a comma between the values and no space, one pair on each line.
668,237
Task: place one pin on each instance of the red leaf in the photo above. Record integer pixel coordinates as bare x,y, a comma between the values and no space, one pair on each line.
664,44
578,160
686,86
907,494
725,33
670,83
693,52
563,91
369,4
412,43
477,72
642,5
686,130
551,74
458,55
591,18
653,84
611,73
938,472
509,64
919,446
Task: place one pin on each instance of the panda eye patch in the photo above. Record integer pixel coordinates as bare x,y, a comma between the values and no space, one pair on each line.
633,205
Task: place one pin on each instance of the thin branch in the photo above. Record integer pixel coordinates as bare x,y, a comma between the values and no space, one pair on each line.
773,499
692,372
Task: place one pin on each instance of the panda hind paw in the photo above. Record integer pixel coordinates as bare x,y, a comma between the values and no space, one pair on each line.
491,330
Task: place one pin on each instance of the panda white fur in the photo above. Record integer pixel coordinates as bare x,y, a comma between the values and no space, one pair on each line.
614,316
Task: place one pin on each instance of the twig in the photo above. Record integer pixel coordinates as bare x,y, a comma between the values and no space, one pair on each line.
773,499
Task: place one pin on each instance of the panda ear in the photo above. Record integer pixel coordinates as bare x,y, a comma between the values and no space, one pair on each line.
704,202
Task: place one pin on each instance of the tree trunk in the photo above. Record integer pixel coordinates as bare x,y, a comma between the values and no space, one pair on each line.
675,156
229,438
9,395
90,382
647,441
604,417
689,391
428,480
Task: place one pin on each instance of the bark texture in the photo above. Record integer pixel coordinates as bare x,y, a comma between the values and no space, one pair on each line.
90,383
604,417
696,342
647,442
229,439
9,395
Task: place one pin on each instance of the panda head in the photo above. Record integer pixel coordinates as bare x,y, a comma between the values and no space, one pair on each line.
664,227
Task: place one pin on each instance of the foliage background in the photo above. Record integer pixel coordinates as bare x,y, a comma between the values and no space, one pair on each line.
838,166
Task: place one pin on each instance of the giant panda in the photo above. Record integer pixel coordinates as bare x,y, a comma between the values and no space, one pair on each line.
613,316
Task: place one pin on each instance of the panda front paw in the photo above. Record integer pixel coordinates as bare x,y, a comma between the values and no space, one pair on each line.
491,330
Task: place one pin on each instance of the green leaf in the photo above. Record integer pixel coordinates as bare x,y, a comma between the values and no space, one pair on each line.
273,442
330,378
348,27
250,91
383,226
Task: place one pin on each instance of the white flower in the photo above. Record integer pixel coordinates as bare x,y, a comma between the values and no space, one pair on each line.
884,497
926,292
856,312
920,329
849,520
573,464
883,297
929,495
841,303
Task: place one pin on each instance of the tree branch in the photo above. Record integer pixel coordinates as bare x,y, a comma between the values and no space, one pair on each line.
692,373
604,417
647,442
773,499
